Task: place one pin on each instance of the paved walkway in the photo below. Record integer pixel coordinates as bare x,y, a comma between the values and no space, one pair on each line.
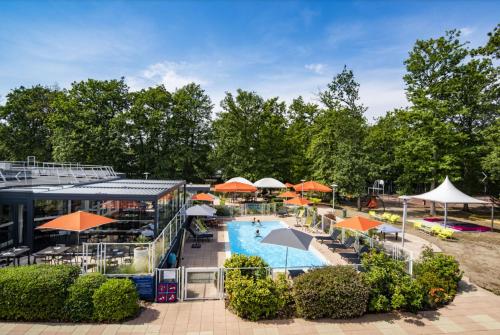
474,311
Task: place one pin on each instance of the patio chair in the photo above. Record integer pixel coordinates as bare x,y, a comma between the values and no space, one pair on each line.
282,212
334,236
309,222
346,245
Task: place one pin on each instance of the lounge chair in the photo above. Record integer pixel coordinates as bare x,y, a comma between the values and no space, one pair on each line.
309,222
354,257
334,236
282,212
298,218
346,245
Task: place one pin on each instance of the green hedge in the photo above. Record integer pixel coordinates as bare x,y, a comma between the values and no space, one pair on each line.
332,292
79,304
36,292
115,300
391,288
438,275
252,294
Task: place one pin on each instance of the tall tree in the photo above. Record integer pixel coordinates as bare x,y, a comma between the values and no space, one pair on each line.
144,127
299,133
337,148
191,134
84,125
24,119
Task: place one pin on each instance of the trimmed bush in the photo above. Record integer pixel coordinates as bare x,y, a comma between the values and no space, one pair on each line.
332,292
391,288
237,261
115,300
79,304
438,274
35,292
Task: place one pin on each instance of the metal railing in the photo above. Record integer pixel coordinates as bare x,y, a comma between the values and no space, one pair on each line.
247,209
123,259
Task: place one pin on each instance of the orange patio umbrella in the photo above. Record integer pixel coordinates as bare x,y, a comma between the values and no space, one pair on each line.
288,185
311,186
235,187
298,201
203,197
288,194
358,223
77,221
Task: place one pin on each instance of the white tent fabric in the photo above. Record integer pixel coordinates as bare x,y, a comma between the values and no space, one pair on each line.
447,193
240,180
269,183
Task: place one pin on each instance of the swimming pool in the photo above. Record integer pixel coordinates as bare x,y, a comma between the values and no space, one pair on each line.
242,240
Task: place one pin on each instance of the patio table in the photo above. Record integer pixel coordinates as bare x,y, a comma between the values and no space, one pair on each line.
50,252
15,253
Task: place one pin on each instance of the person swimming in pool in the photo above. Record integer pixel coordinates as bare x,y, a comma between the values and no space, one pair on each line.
257,233
253,221
259,223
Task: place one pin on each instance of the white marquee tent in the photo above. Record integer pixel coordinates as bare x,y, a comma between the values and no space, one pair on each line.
269,183
446,193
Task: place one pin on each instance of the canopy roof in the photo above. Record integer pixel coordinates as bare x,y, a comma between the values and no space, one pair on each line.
358,223
269,183
203,197
288,237
240,180
288,194
234,187
298,201
447,193
311,186
77,221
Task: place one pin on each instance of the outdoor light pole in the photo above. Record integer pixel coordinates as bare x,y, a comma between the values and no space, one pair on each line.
334,186
405,209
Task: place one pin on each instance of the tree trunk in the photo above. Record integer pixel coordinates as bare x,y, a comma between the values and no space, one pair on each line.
433,204
466,208
359,203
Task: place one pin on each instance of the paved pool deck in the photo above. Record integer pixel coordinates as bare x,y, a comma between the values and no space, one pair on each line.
474,311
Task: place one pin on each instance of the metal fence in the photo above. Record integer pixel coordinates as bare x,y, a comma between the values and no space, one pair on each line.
123,259
246,209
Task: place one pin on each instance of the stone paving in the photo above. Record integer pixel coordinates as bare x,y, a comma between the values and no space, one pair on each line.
474,311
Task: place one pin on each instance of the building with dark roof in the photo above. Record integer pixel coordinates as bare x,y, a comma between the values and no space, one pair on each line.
32,193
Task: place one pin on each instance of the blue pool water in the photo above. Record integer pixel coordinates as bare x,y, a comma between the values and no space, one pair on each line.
242,240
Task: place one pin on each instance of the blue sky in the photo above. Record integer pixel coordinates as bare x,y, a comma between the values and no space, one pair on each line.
276,48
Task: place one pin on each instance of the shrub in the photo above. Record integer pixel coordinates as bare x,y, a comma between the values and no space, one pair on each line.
35,292
115,300
79,305
237,261
438,274
336,292
253,299
286,303
390,286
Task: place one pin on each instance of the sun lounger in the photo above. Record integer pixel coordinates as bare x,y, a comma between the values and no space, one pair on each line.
354,257
346,245
298,218
292,274
282,212
334,236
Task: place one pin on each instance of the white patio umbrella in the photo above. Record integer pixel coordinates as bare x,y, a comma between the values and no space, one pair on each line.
269,183
240,180
210,209
288,237
198,210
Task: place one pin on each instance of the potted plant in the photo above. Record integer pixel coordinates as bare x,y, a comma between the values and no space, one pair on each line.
141,254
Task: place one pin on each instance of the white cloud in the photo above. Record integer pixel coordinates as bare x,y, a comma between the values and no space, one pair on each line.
170,74
317,68
466,31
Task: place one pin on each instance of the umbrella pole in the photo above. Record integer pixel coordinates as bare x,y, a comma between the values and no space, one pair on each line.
445,213
286,259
